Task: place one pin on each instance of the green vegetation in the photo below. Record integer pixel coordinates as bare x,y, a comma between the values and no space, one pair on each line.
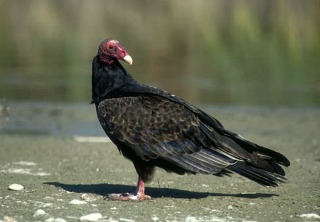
239,52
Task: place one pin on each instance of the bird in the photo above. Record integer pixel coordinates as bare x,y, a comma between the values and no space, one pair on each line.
154,128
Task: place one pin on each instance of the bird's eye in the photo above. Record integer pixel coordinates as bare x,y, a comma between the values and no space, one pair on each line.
110,46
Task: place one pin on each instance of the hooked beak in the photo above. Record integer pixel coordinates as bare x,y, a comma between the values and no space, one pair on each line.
128,59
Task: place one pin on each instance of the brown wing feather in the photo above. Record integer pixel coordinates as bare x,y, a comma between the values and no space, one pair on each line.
158,128
147,120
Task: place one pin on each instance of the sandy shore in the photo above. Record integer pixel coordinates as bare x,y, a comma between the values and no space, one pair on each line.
60,157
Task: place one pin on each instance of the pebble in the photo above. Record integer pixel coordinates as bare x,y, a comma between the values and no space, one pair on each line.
77,202
47,205
155,218
8,219
91,217
16,187
39,213
310,216
59,220
87,198
190,219
25,163
51,219
126,220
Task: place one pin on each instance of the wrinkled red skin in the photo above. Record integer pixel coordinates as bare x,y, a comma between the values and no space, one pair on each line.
110,50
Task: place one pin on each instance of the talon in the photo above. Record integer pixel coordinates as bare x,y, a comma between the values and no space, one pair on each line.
137,196
127,196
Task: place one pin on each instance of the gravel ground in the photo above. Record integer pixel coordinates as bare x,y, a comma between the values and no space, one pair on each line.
66,173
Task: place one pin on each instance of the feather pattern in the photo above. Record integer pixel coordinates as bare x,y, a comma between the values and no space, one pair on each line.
153,128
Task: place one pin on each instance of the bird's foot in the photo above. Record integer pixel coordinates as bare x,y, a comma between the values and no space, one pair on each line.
128,196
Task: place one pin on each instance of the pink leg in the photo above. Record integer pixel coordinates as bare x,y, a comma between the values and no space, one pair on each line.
137,196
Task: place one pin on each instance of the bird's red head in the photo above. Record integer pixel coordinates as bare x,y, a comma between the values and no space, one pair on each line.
111,49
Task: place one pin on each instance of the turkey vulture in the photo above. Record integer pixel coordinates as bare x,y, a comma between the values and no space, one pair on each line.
154,128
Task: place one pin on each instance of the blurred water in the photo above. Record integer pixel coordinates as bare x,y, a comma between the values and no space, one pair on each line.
195,89
69,120
54,119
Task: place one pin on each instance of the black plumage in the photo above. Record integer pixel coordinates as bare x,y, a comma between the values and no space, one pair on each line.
153,128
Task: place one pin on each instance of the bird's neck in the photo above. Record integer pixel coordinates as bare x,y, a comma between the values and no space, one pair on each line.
107,78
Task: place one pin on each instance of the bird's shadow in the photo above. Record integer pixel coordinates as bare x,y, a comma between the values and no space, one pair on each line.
105,189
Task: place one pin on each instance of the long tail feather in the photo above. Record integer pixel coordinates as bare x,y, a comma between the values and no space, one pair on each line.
260,176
